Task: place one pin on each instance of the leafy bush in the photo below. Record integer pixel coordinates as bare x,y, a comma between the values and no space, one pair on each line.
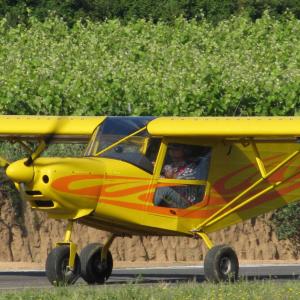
235,68
287,222
167,10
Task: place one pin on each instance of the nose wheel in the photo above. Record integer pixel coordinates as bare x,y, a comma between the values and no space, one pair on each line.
58,271
63,264
95,269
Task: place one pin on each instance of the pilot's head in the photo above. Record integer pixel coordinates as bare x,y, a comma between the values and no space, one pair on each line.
176,151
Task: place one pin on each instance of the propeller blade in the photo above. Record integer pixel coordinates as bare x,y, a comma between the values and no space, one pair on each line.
44,143
3,162
34,155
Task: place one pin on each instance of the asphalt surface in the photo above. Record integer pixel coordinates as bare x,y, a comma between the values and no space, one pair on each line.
37,279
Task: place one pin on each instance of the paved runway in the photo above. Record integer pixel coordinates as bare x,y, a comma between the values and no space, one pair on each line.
37,279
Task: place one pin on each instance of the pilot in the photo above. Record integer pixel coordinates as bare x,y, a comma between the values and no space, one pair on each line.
180,167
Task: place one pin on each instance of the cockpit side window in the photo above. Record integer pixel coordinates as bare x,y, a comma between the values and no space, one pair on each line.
140,151
125,139
114,129
152,149
188,166
186,162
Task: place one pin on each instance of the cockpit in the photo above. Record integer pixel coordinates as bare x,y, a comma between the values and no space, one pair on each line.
125,139
183,165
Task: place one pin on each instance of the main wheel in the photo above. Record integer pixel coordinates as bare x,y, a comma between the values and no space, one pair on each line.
57,270
92,270
221,264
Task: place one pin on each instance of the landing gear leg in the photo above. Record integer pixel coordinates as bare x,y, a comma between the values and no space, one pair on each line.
96,262
220,263
63,264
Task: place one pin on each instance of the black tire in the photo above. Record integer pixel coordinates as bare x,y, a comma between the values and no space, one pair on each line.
221,264
56,267
91,269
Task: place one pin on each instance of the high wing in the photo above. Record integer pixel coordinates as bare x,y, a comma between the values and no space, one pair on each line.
79,128
58,128
225,126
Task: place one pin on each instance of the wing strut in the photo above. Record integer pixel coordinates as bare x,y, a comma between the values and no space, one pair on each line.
224,211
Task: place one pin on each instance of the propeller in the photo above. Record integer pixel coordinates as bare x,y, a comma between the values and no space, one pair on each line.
37,152
22,171
44,143
4,163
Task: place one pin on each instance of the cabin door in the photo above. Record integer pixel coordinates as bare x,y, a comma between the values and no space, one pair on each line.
180,180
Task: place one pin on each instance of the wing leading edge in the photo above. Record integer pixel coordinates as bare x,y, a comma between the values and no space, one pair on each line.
77,128
225,126
59,128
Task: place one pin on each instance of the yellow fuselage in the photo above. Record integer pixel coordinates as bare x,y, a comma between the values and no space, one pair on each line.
116,196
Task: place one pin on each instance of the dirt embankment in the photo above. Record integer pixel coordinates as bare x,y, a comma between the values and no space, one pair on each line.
31,241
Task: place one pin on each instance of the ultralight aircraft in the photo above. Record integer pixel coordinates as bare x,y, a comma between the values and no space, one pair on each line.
153,176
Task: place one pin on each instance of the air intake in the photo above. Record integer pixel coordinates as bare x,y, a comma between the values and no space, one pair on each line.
45,203
33,193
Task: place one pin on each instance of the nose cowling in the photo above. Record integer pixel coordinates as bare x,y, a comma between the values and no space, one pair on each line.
19,172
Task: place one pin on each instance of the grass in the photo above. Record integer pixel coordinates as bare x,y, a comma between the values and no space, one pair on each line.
243,290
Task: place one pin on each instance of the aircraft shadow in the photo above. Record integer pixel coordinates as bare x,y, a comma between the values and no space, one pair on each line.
178,278
154,278
23,273
162,277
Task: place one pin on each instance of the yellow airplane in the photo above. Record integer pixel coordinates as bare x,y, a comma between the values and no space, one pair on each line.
153,176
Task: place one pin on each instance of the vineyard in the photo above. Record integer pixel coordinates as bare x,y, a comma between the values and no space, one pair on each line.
191,68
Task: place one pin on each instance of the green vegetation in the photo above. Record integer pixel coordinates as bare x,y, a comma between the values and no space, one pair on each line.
236,68
287,223
181,291
167,10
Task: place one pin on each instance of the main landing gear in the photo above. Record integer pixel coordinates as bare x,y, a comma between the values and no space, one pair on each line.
64,266
220,263
96,262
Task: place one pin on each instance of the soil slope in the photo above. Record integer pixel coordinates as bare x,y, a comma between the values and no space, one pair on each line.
30,238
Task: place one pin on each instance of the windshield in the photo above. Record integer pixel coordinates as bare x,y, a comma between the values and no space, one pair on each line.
125,139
